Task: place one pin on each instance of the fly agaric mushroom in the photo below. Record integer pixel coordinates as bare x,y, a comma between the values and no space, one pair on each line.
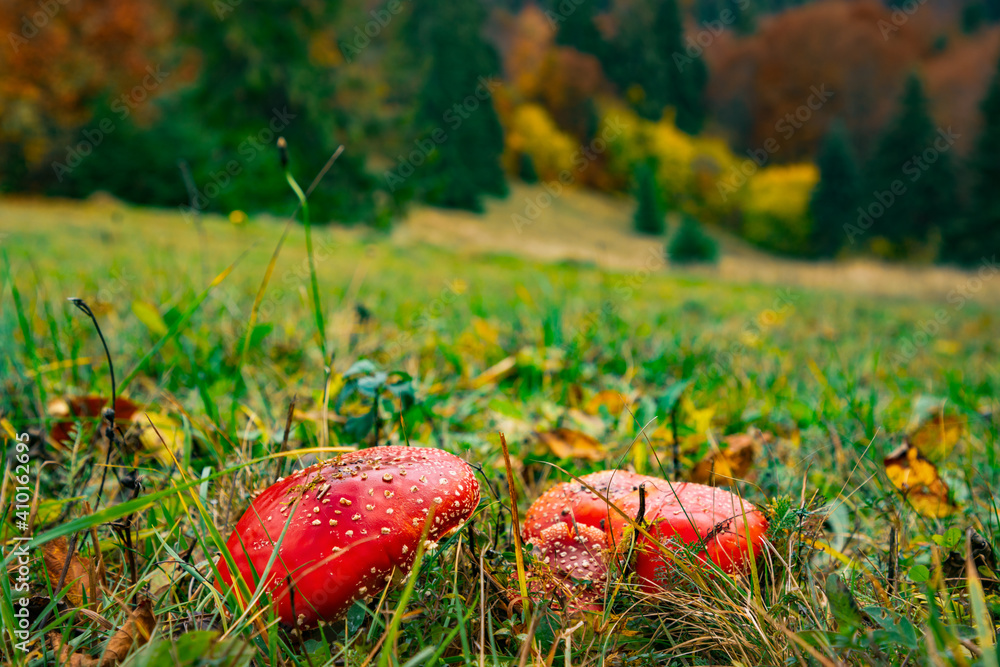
572,559
350,523
573,503
717,524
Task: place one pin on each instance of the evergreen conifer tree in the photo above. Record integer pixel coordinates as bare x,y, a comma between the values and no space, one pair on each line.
977,234
678,79
835,198
691,245
456,107
911,174
649,217
578,30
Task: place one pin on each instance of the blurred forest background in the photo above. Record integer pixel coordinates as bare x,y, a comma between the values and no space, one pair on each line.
811,129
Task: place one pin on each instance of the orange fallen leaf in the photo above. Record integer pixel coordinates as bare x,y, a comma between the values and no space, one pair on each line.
731,463
918,480
80,583
566,443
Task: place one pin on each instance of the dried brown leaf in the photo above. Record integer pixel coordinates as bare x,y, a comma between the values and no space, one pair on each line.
81,578
135,633
68,657
734,462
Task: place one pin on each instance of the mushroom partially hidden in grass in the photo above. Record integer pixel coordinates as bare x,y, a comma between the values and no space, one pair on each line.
573,503
719,526
344,526
571,560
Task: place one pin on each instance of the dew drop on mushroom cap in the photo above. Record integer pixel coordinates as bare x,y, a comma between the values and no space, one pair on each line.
350,521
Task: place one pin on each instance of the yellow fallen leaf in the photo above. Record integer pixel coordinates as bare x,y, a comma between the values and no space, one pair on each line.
701,419
918,480
566,443
160,435
613,401
150,316
494,373
937,434
487,332
583,421
949,348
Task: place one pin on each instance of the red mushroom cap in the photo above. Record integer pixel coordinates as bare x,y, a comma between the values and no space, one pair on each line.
571,502
575,561
350,521
690,514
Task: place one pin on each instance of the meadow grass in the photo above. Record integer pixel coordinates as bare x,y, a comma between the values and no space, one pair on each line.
836,378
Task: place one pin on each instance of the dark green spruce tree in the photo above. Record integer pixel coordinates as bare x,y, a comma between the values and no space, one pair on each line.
649,216
835,200
577,28
976,235
691,245
680,79
456,113
257,81
913,157
650,52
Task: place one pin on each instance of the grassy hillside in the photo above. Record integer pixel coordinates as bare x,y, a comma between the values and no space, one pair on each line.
500,342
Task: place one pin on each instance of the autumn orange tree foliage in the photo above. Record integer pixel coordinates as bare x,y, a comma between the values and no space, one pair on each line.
760,83
60,61
557,86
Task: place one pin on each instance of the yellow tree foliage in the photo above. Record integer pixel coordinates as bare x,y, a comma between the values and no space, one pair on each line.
689,169
533,132
775,207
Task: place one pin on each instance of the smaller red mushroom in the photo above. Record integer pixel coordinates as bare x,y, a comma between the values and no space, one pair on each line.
718,525
572,560
573,503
